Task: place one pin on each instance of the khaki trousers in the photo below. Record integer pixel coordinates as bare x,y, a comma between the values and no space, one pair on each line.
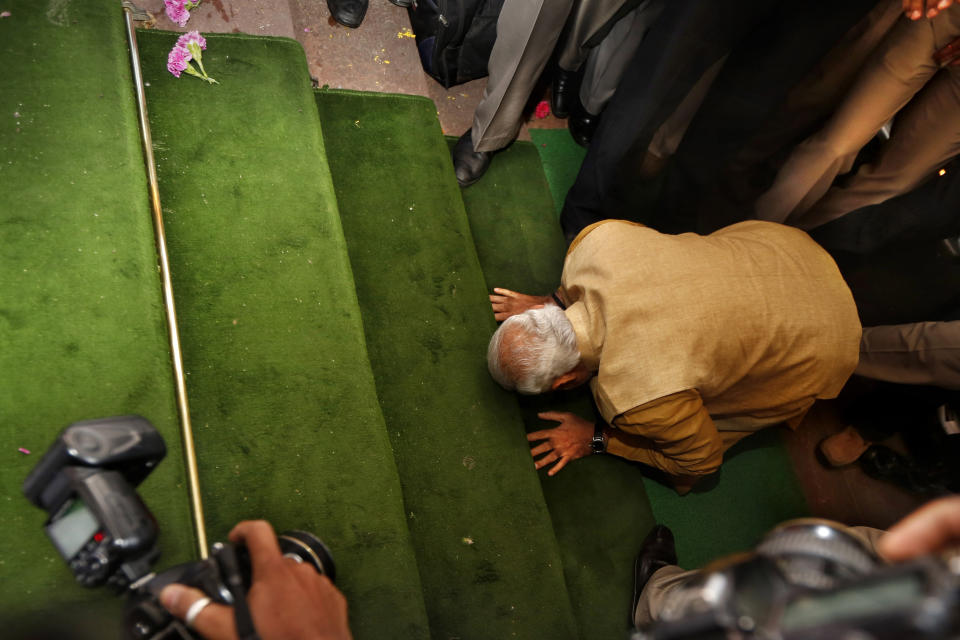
925,135
917,353
527,33
655,598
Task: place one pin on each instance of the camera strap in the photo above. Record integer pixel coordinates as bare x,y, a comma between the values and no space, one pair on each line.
230,573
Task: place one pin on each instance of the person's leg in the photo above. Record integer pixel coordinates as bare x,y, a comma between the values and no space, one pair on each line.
926,134
917,353
903,65
817,94
686,39
668,137
927,212
527,33
661,584
607,61
589,21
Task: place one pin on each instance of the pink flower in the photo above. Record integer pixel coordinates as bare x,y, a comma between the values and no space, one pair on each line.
176,11
192,37
178,60
542,110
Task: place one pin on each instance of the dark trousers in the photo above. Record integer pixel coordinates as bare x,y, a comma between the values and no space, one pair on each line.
771,46
929,212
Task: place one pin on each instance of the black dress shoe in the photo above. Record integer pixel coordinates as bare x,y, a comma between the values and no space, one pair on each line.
563,94
349,13
658,551
469,165
582,126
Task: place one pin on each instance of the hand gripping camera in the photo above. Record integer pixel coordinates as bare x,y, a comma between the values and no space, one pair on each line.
813,580
86,482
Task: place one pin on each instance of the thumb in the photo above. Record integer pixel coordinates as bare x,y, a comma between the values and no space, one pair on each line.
213,622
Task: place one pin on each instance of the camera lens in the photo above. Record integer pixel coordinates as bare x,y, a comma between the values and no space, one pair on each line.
306,547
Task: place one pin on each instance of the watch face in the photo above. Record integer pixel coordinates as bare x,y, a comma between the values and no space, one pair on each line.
596,444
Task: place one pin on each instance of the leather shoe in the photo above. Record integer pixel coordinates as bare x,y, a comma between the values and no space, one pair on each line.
469,165
582,126
658,551
349,13
564,90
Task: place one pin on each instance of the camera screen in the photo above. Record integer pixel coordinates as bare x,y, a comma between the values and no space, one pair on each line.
72,529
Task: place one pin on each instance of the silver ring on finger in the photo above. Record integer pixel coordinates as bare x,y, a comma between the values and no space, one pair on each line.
195,610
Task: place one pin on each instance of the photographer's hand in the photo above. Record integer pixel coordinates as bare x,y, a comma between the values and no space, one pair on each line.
931,528
288,601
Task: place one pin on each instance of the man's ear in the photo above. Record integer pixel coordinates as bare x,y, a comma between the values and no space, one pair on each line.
562,381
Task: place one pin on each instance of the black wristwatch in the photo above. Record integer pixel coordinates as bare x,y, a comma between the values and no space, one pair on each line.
598,443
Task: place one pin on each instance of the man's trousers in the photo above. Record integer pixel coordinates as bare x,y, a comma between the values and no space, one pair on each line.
527,34
655,599
773,44
903,80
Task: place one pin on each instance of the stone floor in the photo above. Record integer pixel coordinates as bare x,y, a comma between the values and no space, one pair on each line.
381,55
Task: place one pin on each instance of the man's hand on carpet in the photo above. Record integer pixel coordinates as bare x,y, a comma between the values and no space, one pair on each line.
564,443
508,303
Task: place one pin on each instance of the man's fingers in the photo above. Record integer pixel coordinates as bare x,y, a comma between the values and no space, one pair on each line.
213,622
557,416
931,528
541,448
545,460
560,465
261,542
539,435
504,292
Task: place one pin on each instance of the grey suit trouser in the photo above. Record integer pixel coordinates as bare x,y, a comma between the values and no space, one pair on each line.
527,34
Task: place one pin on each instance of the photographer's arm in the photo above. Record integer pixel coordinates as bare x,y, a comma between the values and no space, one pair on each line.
288,600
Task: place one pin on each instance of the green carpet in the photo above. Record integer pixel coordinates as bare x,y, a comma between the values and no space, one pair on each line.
561,158
755,490
598,505
82,333
487,553
282,398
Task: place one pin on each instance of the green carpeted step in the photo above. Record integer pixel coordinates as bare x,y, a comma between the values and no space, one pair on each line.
82,331
283,402
599,507
487,554
755,490
561,158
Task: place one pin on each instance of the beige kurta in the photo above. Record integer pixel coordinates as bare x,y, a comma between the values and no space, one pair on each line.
753,322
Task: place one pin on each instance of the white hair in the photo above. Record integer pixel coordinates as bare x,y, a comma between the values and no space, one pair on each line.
532,349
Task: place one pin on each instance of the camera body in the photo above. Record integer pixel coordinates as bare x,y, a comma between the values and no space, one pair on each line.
809,580
86,482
